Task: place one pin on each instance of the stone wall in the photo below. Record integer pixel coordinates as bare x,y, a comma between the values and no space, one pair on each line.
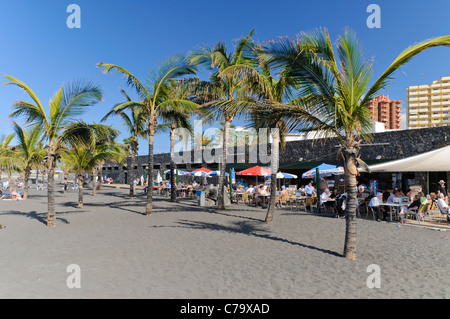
384,146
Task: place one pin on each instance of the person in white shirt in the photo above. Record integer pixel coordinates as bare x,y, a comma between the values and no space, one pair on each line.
326,200
310,190
376,204
443,206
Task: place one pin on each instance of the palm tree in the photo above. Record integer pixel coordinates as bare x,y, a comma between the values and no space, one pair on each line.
135,124
28,150
66,104
202,140
6,152
152,99
177,114
226,93
87,145
333,97
271,91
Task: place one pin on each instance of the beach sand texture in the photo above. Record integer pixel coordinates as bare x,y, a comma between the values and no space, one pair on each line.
186,251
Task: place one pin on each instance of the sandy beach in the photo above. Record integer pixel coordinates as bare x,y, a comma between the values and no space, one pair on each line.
186,251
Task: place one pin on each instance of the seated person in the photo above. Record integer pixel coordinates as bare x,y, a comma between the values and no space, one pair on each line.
433,198
423,198
284,191
260,191
413,207
14,194
302,190
250,190
443,206
326,200
376,203
392,196
334,193
386,195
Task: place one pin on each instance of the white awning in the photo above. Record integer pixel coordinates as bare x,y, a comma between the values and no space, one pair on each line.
434,161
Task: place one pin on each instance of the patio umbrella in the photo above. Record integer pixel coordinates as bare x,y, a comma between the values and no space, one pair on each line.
255,171
177,171
324,170
214,173
284,175
200,172
158,178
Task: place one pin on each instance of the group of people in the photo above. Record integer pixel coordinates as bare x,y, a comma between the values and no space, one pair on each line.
440,198
184,189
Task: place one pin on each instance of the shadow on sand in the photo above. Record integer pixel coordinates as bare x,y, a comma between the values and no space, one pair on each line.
245,228
40,217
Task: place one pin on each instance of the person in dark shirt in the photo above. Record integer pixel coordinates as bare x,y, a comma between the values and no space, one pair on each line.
442,190
386,195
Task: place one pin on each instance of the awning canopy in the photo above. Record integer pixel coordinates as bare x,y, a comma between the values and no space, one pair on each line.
434,161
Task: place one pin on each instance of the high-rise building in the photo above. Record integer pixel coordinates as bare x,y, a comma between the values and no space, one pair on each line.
386,111
429,105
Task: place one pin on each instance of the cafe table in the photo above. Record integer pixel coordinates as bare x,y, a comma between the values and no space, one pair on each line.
395,205
264,196
298,200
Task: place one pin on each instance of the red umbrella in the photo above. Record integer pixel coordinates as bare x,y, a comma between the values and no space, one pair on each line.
202,169
255,171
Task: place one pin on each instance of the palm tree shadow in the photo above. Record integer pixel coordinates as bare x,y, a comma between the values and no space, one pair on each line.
40,217
247,228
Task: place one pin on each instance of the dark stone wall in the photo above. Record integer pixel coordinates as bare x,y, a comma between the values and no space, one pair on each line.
384,146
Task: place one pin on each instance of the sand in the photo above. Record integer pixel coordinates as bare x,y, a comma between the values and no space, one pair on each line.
186,251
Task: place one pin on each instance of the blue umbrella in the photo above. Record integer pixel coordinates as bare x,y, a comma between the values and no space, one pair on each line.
283,175
324,170
177,171
233,175
215,173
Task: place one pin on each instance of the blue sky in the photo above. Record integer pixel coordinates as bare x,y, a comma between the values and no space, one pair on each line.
37,47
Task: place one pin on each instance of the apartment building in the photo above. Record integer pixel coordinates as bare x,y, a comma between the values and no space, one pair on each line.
428,105
386,111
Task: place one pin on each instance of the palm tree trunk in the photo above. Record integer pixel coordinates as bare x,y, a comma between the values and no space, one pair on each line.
132,171
273,181
100,184
223,166
27,176
51,221
94,181
350,187
148,209
80,190
65,181
10,179
173,187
